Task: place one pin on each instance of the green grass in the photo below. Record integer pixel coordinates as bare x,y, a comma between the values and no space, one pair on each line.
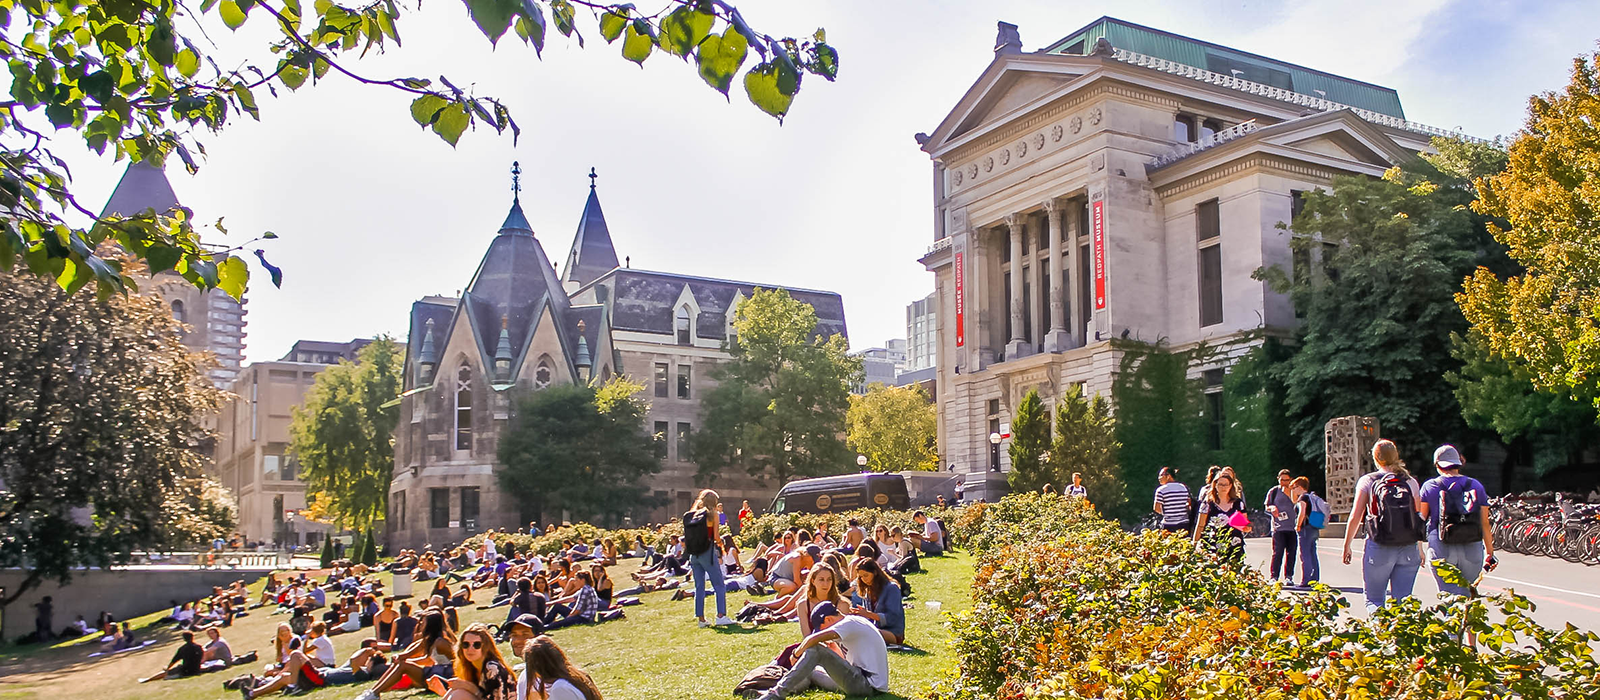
656,653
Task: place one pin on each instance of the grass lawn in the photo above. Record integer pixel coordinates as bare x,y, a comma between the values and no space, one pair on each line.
656,653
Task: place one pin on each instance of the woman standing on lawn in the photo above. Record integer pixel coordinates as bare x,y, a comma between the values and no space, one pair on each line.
549,675
1224,510
708,563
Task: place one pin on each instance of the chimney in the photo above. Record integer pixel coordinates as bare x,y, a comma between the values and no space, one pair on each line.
1007,40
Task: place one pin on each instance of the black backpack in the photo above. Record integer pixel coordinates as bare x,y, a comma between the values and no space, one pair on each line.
1458,515
1392,515
696,533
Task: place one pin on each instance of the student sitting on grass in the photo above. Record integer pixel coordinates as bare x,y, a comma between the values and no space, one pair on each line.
480,673
550,675
878,599
300,667
185,661
432,654
582,607
862,671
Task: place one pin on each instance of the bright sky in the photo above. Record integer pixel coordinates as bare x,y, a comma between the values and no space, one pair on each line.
373,213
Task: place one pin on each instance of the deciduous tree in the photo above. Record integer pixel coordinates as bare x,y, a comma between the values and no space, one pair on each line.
343,435
1030,440
580,449
894,426
1086,443
1544,317
779,406
100,407
140,78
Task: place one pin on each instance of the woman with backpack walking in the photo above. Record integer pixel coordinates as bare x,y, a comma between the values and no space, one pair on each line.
1311,515
1388,502
1457,510
700,546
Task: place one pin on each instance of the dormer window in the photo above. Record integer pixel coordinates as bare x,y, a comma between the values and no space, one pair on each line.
683,325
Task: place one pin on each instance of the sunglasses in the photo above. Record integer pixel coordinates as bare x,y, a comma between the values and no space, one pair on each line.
473,645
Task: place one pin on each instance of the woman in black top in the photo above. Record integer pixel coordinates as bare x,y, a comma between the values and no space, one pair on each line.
405,628
602,585
1222,503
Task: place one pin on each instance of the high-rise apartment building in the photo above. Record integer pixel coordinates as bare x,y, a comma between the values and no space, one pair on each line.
922,328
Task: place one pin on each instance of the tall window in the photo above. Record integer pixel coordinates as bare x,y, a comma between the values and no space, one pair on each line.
464,408
290,469
1297,204
1209,232
1085,292
682,325
1006,284
469,507
1214,407
683,442
1183,128
1027,304
178,312
683,381
660,438
438,508
397,509
661,380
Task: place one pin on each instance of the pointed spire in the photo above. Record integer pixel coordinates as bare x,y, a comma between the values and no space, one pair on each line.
515,221
592,252
427,356
143,186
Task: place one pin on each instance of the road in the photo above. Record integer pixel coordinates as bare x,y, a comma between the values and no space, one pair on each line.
1562,591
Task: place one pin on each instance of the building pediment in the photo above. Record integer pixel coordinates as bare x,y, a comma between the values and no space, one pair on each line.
1321,145
1010,85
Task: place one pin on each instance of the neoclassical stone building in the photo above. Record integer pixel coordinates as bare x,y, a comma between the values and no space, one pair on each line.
520,326
1124,182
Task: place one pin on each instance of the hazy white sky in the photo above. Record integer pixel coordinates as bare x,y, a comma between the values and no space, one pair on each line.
374,213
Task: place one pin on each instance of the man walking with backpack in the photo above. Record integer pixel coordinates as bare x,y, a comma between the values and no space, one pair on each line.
1456,508
1281,505
1311,515
1388,501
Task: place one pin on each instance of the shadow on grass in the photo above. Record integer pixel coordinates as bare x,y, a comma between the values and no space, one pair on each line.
741,629
908,651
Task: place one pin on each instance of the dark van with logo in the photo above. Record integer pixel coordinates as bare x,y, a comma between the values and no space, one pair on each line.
833,494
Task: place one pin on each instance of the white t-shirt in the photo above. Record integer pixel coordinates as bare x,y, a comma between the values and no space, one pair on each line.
931,531
322,650
562,690
863,648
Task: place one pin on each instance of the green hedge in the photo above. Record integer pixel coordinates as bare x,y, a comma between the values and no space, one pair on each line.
766,529
1067,605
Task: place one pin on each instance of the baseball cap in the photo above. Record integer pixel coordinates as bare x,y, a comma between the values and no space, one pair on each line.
821,612
1446,457
814,551
529,621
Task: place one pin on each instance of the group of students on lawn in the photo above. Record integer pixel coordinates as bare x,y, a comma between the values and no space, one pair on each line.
847,596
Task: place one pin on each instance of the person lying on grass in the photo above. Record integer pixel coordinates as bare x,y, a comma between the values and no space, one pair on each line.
432,654
302,666
861,670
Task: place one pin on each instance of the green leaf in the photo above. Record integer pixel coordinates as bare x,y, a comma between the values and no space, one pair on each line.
162,258
188,63
683,29
493,17
293,76
231,14
426,108
451,123
762,83
827,64
611,25
232,276
638,45
562,12
719,57
530,26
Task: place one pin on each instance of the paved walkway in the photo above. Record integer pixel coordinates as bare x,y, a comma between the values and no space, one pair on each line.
1563,592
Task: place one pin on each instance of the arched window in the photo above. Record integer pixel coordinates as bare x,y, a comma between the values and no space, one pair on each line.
681,323
464,408
605,374
178,312
541,375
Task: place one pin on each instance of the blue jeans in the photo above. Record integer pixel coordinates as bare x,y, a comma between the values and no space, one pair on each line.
1466,557
703,566
1310,568
1388,569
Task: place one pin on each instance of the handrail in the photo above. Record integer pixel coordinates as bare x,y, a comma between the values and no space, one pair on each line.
1216,139
1277,93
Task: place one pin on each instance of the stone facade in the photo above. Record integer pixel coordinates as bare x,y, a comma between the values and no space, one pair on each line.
1086,197
520,327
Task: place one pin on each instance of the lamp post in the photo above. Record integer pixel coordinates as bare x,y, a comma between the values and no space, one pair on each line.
861,461
994,452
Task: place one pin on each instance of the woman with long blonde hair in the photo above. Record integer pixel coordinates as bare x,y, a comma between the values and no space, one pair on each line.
822,585
1388,502
707,563
549,675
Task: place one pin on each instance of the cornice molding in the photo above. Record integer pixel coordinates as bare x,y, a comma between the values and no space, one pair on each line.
1248,164
1053,111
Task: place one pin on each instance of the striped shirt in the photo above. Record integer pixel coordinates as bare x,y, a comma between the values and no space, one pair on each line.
1174,500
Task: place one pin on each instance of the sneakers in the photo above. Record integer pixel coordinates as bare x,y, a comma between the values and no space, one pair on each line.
703,623
368,694
723,621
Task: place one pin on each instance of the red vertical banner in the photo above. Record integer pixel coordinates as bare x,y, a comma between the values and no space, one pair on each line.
961,301
1098,236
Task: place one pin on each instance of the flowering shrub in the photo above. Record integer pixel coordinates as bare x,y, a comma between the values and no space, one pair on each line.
766,529
1070,606
579,532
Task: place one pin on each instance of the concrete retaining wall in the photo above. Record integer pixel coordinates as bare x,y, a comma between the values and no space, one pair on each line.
125,593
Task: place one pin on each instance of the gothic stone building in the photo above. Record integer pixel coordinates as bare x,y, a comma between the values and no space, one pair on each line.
1124,182
520,326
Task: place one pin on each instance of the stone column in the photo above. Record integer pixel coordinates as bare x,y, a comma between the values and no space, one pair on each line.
1075,326
1058,339
1016,346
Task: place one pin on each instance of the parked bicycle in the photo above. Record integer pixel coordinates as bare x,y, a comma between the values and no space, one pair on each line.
1552,525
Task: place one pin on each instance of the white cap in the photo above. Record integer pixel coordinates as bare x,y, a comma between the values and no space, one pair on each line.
1446,457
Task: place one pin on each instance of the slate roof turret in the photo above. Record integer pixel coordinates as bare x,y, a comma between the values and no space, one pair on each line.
592,253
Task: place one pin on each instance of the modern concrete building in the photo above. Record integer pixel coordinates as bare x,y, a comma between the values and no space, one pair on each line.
1124,182
520,326
216,321
922,331
251,455
881,365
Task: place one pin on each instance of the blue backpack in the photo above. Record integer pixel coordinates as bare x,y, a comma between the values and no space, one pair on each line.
1317,516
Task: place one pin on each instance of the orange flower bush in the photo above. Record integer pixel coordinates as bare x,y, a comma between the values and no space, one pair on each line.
1067,605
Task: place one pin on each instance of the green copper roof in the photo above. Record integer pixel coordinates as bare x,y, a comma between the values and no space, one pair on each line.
1223,60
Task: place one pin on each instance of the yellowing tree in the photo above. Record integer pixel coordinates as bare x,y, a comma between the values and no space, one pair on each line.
1545,318
894,427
